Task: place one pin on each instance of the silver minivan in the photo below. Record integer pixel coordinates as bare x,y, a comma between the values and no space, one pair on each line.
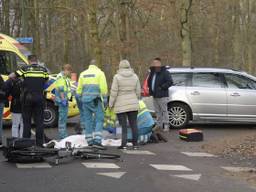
211,94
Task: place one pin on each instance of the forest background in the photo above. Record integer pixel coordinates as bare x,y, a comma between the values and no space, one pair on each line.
205,33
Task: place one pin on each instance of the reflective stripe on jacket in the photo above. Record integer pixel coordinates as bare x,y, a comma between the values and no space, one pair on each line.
92,84
144,119
62,85
34,77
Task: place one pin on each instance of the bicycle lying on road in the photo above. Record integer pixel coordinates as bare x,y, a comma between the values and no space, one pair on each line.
25,150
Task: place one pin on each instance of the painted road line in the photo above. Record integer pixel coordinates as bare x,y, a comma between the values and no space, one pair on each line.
32,165
167,167
194,177
101,165
238,169
138,152
198,154
116,175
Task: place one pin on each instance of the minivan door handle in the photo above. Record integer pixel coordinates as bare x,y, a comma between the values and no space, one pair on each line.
235,95
195,93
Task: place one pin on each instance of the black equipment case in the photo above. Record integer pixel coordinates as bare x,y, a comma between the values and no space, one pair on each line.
18,143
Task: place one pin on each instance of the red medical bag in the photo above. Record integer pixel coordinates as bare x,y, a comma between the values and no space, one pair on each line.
191,135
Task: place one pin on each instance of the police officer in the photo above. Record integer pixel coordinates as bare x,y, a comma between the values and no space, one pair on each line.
92,90
32,97
62,96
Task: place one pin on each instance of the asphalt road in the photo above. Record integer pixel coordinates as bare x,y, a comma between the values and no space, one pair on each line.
177,172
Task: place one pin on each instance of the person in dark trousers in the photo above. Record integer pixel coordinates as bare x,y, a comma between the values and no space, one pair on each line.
32,97
13,88
3,100
124,98
159,82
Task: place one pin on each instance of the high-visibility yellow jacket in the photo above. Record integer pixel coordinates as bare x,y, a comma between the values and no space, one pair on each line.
144,119
34,77
62,85
145,124
109,118
92,84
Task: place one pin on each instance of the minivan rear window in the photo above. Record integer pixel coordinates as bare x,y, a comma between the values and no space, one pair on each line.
239,82
210,80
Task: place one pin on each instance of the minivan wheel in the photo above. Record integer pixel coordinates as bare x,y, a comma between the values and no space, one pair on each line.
179,115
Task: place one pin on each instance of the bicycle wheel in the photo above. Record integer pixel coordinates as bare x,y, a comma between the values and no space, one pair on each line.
97,155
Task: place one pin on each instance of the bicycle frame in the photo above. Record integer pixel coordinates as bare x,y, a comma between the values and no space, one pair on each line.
67,152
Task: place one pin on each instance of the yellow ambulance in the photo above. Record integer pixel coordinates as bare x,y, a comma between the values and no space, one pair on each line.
12,55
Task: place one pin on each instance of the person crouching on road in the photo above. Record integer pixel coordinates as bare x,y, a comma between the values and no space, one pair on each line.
124,97
145,123
13,88
92,91
62,96
159,82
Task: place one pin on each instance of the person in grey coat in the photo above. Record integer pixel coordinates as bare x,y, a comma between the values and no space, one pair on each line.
124,98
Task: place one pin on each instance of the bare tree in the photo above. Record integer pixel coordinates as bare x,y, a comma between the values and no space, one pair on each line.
186,32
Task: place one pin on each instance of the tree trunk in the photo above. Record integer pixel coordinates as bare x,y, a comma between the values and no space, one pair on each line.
186,32
94,32
124,28
248,35
236,41
24,21
6,14
67,28
36,29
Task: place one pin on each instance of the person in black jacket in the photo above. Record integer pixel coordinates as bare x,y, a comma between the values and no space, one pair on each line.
13,88
3,100
159,82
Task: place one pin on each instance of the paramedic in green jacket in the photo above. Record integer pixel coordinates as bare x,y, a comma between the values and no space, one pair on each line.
92,91
145,123
62,96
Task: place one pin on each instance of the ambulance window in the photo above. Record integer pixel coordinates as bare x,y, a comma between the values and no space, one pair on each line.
20,62
8,62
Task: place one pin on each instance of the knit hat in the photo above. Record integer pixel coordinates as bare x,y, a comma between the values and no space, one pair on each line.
124,64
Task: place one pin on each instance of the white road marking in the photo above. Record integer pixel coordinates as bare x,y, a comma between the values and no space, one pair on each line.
101,165
167,167
116,175
239,169
198,154
194,177
138,152
32,165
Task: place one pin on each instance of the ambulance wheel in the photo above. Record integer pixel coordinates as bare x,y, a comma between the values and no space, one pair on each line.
179,115
50,115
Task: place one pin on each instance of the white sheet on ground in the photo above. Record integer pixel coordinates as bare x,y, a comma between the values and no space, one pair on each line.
79,141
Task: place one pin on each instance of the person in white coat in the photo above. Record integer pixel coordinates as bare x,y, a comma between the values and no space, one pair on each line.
124,98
